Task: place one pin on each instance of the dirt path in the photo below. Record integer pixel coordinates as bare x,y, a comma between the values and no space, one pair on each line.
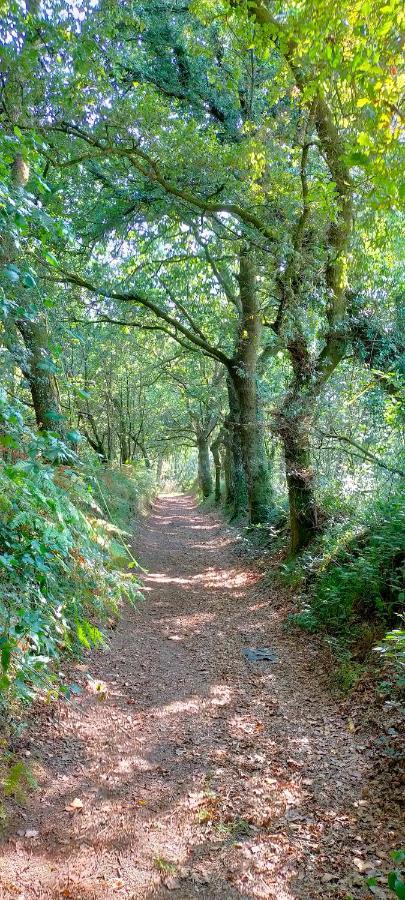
201,774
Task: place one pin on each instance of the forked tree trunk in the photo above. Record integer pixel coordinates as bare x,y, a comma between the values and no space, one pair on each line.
204,468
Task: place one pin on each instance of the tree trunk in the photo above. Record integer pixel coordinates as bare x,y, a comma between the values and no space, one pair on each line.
294,423
300,483
243,375
251,428
159,468
217,466
228,469
97,446
37,369
204,468
145,456
238,488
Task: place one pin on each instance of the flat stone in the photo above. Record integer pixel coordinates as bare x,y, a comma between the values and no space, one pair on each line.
259,654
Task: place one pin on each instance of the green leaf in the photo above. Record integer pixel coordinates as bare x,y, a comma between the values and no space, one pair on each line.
12,274
7,440
397,885
5,656
357,158
363,139
74,437
51,259
28,280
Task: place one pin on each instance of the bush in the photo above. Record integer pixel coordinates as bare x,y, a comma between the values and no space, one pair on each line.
392,649
354,577
59,581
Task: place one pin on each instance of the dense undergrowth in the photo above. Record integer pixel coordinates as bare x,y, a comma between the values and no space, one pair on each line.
351,584
65,564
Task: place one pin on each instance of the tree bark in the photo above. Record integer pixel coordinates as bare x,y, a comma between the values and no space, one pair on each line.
228,464
37,365
145,456
41,380
204,468
238,487
159,468
217,467
293,424
300,482
244,377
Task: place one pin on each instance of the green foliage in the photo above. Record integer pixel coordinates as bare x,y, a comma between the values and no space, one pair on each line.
59,582
392,648
396,878
121,492
164,865
235,830
354,577
16,780
134,175
346,671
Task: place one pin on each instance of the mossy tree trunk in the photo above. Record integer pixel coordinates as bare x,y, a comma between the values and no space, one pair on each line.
217,466
204,467
243,373
238,488
300,482
228,464
38,371
301,496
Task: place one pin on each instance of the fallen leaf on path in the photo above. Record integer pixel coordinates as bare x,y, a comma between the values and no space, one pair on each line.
171,883
75,806
361,865
295,763
98,688
31,833
200,878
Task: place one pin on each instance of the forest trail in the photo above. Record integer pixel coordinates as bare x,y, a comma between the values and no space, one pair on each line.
200,774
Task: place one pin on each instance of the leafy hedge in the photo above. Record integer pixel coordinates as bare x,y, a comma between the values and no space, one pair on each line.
61,576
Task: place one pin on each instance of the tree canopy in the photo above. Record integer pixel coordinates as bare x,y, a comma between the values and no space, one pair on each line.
200,247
